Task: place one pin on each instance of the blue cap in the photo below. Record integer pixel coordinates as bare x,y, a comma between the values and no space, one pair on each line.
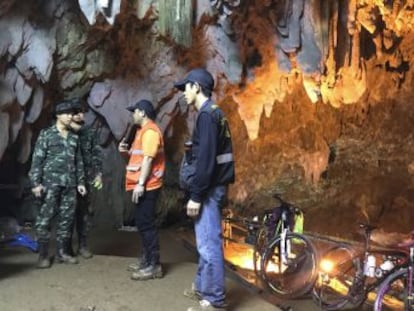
199,75
144,105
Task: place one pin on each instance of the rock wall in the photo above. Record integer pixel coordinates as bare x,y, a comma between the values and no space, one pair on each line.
317,94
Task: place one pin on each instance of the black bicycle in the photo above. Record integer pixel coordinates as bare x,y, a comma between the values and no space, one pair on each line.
286,261
349,274
272,223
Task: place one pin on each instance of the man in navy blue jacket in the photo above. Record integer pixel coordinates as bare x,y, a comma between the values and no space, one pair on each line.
212,156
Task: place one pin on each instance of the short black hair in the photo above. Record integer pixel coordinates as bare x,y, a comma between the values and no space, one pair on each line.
207,92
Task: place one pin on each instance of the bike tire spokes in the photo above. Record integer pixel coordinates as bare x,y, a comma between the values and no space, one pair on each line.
289,265
393,294
336,278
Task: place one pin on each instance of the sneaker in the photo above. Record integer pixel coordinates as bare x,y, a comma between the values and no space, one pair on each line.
85,253
43,263
138,265
205,305
150,272
192,293
65,258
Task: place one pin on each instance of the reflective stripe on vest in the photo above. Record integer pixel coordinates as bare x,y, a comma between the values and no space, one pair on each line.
224,158
140,151
135,152
133,168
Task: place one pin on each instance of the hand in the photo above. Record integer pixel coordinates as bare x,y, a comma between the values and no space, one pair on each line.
38,191
82,190
137,193
123,146
193,208
97,182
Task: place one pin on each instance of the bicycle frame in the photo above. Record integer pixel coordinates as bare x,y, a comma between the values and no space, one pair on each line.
357,275
379,274
399,283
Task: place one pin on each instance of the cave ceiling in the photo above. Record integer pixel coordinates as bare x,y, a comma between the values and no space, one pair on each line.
317,92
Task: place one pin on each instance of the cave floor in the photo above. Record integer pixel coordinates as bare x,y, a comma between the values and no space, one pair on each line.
103,284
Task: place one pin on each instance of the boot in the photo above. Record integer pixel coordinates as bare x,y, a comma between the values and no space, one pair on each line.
147,273
70,248
62,254
84,249
44,260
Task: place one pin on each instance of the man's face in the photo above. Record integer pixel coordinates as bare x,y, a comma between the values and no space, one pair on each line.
78,117
64,118
190,92
138,116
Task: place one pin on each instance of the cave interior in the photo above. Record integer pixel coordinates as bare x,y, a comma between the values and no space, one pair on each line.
318,94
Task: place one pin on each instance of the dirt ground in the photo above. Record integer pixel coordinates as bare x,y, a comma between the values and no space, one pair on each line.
103,284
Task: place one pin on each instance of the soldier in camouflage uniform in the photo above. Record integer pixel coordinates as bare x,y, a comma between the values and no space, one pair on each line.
56,174
92,160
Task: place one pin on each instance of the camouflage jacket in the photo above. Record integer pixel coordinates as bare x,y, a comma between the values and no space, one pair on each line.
56,160
91,152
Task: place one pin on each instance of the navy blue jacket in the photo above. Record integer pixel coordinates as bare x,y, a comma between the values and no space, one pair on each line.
212,151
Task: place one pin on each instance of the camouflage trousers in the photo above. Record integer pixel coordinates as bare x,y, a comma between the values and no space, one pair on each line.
58,203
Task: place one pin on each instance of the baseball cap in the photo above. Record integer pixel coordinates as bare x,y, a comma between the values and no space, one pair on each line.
199,75
64,106
78,105
144,105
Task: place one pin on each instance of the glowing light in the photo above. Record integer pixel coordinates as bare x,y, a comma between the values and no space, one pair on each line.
239,255
326,266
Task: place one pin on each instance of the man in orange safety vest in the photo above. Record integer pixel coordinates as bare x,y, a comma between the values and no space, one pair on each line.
144,177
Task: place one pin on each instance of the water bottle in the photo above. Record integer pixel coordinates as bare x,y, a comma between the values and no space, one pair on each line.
386,266
370,266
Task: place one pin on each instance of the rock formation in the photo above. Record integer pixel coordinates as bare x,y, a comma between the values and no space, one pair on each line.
318,93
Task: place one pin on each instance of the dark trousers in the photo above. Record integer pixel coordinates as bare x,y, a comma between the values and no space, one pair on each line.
145,222
83,217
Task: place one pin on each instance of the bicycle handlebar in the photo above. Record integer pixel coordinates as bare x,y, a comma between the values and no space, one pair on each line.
246,221
284,203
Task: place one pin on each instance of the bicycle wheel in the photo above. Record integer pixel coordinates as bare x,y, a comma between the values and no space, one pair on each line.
258,250
393,293
289,265
337,271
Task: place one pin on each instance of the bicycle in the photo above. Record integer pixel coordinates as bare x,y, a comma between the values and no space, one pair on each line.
274,222
348,274
288,260
396,292
284,261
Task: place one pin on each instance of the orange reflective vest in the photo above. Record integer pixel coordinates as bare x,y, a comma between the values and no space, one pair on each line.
133,170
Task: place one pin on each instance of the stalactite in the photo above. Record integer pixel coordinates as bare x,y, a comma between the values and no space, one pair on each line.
329,77
356,51
396,6
176,20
